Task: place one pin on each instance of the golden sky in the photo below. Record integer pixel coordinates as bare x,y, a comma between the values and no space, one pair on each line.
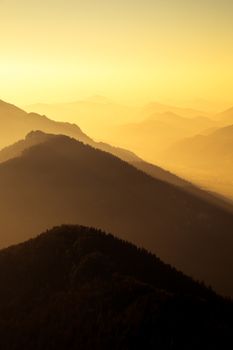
129,50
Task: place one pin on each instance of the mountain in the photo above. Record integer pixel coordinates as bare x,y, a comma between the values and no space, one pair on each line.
96,115
158,131
38,137
16,124
210,155
166,176
155,107
127,126
226,116
193,125
64,181
215,149
77,288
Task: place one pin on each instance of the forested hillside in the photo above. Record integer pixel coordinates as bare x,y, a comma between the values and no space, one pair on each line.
78,288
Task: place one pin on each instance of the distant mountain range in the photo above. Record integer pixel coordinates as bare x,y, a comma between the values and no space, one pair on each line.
226,116
214,150
96,115
98,111
154,124
78,288
60,180
16,124
157,108
208,157
159,131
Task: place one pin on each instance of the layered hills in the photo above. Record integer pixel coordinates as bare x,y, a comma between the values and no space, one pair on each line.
212,151
16,124
205,157
158,131
60,180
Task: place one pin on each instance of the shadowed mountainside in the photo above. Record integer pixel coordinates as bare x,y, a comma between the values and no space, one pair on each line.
83,289
38,137
64,181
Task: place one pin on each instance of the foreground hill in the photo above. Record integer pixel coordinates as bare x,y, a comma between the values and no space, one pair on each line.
64,181
77,288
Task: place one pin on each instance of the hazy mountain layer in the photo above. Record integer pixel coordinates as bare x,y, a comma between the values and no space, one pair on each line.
205,157
158,131
96,115
205,151
226,116
15,124
77,288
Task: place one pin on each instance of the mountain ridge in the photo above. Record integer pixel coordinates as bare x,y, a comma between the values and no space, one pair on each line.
81,184
33,121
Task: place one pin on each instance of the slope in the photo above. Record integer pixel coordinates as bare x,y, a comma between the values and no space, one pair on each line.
15,124
82,289
64,181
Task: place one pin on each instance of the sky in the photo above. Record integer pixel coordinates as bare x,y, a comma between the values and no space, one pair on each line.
132,51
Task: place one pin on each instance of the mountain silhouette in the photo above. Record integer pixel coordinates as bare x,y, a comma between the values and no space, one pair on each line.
38,137
64,181
77,288
96,115
16,124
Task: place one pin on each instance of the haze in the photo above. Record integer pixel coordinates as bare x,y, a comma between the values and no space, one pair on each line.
131,51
